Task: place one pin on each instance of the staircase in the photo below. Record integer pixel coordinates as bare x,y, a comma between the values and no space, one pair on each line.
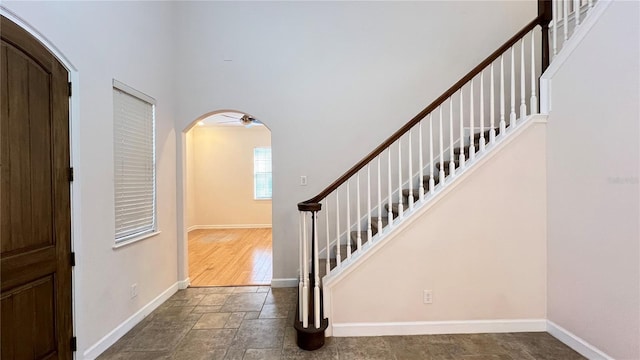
413,166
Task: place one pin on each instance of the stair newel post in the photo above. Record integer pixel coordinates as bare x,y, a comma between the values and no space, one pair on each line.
400,200
432,182
461,157
545,10
390,189
338,228
421,164
481,140
379,195
410,167
359,238
315,269
512,113
441,174
370,225
348,210
534,99
492,103
305,272
503,125
328,248
452,157
523,106
301,224
472,146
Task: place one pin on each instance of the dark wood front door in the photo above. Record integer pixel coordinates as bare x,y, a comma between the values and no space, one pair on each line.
35,269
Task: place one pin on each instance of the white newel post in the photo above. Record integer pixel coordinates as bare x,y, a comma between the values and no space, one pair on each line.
328,248
316,270
300,264
305,267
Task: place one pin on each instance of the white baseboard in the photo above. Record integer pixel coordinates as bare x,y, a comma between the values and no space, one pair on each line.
229,226
283,283
576,343
103,344
184,283
438,327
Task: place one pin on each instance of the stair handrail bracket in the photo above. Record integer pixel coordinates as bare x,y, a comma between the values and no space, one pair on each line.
417,162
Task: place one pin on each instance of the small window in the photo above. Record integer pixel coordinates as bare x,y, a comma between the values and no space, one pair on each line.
262,173
135,163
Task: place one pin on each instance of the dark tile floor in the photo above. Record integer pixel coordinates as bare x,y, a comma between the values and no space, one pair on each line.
255,322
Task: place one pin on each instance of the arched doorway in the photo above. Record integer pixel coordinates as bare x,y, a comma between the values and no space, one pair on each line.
228,200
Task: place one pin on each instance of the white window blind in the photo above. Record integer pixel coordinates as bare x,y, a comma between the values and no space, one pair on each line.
135,164
262,173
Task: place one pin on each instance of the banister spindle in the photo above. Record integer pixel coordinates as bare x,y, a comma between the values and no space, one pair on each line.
390,189
492,110
370,225
348,210
523,105
576,10
503,125
534,99
565,18
441,174
410,177
432,182
316,265
421,164
481,140
379,196
452,158
305,267
461,158
400,205
555,17
512,113
590,5
359,237
328,248
472,146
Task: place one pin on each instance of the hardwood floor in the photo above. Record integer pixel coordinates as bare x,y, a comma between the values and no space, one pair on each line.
224,257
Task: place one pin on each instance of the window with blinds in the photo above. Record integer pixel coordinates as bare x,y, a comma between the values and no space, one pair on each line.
135,163
262,173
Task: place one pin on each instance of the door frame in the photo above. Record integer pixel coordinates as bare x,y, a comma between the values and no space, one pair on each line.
74,131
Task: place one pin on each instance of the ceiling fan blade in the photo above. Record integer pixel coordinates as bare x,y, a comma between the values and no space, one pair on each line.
229,116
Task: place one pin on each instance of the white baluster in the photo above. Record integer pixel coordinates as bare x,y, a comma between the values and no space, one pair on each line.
316,265
338,257
472,146
359,237
432,182
503,125
555,27
512,113
379,196
349,220
565,17
421,176
461,156
590,5
492,111
441,174
523,105
534,99
305,267
410,197
400,200
370,225
481,141
300,265
576,10
452,158
328,249
390,197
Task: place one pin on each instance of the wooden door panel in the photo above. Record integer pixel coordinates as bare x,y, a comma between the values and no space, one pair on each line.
28,315
35,244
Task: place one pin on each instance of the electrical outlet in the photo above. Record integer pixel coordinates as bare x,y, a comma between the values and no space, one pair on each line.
303,180
427,297
134,290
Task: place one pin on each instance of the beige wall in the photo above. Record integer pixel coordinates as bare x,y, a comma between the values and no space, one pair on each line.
594,206
481,249
222,176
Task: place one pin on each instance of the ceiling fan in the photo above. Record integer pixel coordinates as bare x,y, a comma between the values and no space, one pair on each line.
245,120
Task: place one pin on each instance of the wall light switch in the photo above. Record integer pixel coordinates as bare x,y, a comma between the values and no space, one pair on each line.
303,180
427,297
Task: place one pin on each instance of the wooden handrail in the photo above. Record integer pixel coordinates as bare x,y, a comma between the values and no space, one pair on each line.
539,20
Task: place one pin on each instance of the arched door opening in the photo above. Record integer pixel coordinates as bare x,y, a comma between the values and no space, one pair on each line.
228,200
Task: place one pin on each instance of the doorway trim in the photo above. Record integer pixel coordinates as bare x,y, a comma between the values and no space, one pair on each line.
74,131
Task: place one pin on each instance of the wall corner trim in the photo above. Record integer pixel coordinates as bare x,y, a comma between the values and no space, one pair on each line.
576,343
103,344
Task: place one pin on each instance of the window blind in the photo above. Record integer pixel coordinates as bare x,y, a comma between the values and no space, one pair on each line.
262,173
134,156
